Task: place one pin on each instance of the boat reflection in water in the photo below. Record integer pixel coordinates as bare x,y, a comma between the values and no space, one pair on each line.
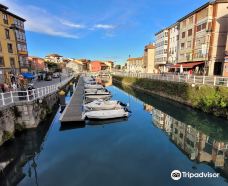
106,122
195,143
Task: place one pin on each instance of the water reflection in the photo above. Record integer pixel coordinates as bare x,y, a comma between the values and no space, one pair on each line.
23,151
193,142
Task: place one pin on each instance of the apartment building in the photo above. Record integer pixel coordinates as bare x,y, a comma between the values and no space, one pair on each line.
149,58
173,43
203,35
161,49
13,47
135,65
225,69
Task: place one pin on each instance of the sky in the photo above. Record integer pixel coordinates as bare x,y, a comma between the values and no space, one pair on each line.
96,29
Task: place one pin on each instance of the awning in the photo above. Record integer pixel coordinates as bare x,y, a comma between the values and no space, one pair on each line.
27,75
187,65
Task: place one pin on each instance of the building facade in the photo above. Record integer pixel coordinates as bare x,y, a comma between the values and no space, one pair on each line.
13,48
135,65
75,65
161,44
36,64
149,58
203,35
173,43
54,58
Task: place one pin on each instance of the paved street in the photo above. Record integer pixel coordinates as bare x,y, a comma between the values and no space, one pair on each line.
39,84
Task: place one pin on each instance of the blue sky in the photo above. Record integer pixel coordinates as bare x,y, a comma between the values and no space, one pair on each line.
96,29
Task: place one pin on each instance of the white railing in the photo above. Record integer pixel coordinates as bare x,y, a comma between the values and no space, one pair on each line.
192,79
12,97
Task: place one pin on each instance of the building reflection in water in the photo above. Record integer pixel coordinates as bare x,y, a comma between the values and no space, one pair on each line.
193,142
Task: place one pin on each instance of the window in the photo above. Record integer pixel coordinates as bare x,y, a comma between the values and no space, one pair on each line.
12,62
1,61
204,25
7,34
201,27
10,48
190,32
189,44
5,18
183,34
182,46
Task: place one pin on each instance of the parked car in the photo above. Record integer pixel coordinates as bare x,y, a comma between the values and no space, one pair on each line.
55,75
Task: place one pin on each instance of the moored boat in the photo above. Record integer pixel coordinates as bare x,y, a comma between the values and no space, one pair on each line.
106,114
104,105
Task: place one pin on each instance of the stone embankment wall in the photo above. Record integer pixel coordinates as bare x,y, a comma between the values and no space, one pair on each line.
26,115
210,99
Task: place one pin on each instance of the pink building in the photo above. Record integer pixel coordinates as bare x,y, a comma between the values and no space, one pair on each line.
36,63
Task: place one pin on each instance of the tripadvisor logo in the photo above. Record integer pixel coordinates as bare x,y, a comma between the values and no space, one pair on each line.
176,175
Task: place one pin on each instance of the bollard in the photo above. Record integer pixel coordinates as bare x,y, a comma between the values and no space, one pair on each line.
71,88
62,100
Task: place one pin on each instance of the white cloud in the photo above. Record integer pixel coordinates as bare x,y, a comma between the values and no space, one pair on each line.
104,26
40,21
73,25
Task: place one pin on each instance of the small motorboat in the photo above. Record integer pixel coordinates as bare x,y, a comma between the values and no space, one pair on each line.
106,114
94,97
97,92
95,86
100,104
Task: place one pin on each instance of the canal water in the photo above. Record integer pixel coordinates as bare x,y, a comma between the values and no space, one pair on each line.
160,136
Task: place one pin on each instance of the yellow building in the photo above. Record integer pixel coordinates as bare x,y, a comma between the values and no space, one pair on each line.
149,58
13,48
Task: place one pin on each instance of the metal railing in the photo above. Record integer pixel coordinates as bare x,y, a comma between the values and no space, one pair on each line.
191,79
12,97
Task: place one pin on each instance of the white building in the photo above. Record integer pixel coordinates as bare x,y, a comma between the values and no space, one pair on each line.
54,58
173,41
75,65
161,50
135,65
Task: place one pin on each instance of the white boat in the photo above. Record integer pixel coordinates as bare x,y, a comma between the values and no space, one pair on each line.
94,97
90,90
97,92
95,86
106,114
104,105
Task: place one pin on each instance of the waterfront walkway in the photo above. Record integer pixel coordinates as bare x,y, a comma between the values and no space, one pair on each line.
191,79
12,97
73,112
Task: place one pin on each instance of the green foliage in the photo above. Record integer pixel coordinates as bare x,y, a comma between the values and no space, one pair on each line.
206,98
19,127
7,136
